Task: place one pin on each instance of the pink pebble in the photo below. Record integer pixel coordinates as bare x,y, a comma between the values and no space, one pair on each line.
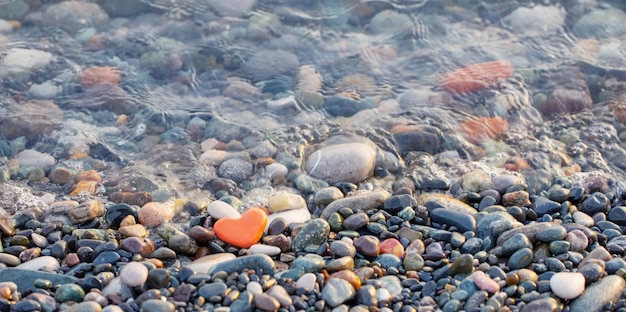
484,282
392,246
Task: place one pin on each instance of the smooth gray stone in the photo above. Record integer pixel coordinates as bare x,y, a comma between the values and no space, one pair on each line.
462,221
25,278
596,296
255,262
337,291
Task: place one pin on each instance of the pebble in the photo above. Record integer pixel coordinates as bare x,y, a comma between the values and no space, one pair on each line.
337,291
367,245
264,249
69,292
219,209
484,282
314,232
282,201
154,214
157,305
462,221
307,281
567,285
265,302
361,202
520,259
134,274
258,262
347,162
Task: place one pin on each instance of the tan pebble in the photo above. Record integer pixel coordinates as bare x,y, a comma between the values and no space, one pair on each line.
30,254
153,214
128,220
60,175
7,226
210,144
135,230
213,157
131,198
282,201
86,212
88,187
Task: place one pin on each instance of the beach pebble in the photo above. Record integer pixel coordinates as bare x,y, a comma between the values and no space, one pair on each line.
536,20
219,209
153,214
282,201
307,281
265,302
484,282
264,249
314,232
567,285
134,274
347,162
301,215
46,263
337,291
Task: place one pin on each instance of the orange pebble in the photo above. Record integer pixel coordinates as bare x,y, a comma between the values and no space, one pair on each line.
479,129
99,75
242,232
476,77
349,276
392,246
84,186
89,175
79,152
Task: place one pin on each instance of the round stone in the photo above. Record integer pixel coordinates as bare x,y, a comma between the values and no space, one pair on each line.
551,234
520,259
134,274
347,162
367,245
567,285
69,292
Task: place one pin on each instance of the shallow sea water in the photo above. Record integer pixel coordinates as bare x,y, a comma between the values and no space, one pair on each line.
294,73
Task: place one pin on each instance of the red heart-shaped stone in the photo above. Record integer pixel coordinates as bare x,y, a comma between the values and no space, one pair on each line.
242,232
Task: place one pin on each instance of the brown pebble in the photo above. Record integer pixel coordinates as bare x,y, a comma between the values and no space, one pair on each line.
202,251
153,214
86,212
518,198
128,221
135,230
60,175
367,245
30,254
512,279
7,226
281,241
131,198
136,245
266,302
201,234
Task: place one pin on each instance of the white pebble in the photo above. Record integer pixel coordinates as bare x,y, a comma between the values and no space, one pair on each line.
307,281
276,170
254,288
134,274
45,263
219,209
567,285
264,249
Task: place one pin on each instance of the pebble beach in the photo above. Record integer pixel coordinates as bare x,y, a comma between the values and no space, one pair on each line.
283,155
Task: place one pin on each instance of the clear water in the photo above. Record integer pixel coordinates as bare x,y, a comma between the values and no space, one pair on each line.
268,70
